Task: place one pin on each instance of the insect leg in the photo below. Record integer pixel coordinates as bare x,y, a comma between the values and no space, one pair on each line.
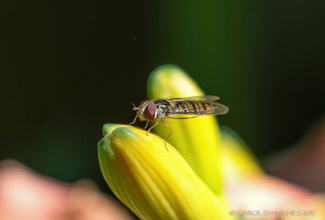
169,134
146,125
135,118
152,127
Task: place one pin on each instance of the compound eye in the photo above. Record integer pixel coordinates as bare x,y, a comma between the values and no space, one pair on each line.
144,101
149,112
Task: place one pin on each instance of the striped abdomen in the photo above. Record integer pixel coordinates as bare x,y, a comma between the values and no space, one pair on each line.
190,107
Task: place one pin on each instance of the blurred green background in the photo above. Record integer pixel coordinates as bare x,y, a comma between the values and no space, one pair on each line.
68,67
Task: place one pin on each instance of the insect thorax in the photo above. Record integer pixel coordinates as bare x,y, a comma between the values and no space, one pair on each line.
161,113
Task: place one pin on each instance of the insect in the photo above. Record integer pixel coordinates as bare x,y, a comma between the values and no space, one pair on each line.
177,108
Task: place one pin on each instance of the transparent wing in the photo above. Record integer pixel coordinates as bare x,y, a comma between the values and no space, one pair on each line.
217,109
188,116
204,98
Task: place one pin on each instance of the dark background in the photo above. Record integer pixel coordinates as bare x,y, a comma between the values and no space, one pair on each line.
68,67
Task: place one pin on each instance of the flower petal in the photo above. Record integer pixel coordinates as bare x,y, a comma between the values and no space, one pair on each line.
237,160
153,182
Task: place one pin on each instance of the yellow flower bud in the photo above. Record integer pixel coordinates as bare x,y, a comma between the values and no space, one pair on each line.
197,139
153,182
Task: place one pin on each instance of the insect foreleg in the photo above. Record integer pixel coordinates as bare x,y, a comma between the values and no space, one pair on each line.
146,125
169,134
152,127
135,118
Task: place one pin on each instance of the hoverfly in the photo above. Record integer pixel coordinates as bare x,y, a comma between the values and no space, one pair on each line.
177,108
